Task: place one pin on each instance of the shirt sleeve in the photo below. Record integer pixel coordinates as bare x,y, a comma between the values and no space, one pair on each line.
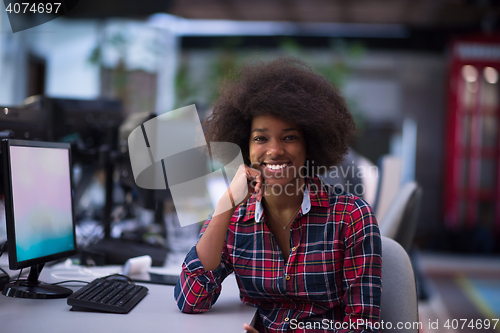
362,277
196,290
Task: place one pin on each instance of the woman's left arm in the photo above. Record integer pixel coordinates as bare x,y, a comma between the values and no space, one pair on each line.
362,276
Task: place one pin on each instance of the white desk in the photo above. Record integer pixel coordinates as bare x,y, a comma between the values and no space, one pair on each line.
157,312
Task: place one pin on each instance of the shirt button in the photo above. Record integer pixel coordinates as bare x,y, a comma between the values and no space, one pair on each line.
287,319
288,277
294,248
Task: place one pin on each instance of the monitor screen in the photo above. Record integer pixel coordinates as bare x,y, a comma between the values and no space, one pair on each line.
39,209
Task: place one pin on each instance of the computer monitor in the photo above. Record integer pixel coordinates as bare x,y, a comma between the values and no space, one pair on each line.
29,121
39,212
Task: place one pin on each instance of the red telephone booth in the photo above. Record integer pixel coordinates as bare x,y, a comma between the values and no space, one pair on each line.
472,168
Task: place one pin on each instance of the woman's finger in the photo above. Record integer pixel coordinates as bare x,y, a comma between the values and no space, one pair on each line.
249,329
259,184
256,180
260,188
263,190
252,173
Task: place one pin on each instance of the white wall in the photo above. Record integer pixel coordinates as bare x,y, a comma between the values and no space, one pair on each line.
12,63
66,46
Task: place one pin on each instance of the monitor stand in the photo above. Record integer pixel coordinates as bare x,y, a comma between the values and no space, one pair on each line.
32,288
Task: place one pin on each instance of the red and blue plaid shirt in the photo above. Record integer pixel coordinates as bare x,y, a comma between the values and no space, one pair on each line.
332,276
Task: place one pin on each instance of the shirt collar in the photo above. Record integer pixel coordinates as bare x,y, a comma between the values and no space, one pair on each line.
305,207
317,197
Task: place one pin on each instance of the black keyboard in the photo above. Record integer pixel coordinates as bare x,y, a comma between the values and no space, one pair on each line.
107,295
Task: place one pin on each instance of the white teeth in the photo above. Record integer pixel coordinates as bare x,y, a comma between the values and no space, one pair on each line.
276,166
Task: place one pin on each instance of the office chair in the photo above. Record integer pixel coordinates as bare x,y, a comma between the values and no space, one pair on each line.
390,169
399,292
401,219
349,176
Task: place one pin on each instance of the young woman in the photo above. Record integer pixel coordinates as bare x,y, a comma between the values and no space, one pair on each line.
303,252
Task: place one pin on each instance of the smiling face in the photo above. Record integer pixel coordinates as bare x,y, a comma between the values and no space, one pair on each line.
277,148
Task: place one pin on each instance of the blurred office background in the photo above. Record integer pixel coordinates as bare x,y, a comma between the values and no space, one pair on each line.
421,78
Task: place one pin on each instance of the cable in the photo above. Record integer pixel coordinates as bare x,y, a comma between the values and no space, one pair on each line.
3,247
68,281
118,274
19,276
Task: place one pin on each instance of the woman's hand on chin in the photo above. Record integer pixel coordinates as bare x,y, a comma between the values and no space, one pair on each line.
246,181
249,329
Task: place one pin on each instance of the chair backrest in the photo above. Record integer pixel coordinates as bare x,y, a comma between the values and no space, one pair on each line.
400,221
388,183
399,304
406,232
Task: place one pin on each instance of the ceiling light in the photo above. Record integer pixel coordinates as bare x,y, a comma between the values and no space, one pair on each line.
469,73
490,75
